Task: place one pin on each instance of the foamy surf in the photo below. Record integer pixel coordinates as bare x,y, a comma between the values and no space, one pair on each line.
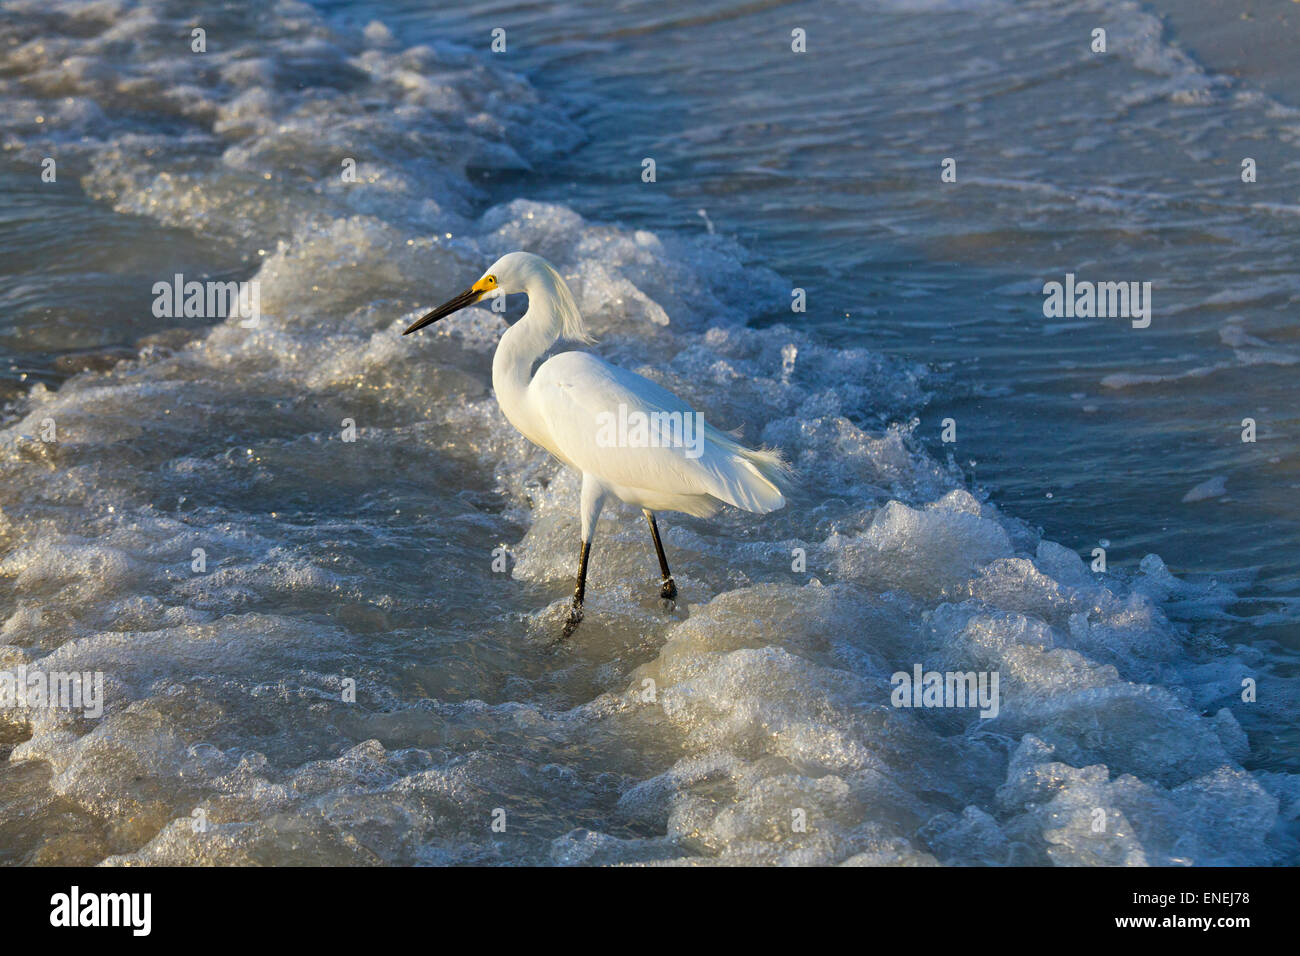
349,679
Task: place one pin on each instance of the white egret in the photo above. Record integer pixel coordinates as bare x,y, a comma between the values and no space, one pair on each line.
627,436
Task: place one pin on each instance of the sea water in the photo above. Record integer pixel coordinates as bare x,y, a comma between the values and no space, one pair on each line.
322,577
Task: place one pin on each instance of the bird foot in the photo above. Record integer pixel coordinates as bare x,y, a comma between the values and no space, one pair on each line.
669,590
575,618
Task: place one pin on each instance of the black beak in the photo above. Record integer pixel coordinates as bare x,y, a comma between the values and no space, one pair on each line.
468,297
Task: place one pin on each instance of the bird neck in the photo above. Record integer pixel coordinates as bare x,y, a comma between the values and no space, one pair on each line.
518,351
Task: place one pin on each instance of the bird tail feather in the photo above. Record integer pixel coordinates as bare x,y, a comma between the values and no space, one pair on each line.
757,478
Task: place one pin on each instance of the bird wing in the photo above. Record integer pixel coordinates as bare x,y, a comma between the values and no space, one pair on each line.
593,411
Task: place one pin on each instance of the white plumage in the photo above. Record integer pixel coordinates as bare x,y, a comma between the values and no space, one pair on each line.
577,395
577,407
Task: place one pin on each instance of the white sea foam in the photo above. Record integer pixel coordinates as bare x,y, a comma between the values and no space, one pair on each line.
699,734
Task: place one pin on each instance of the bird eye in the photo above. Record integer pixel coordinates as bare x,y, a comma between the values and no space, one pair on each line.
492,280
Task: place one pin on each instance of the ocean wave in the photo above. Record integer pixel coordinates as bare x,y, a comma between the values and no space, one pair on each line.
752,724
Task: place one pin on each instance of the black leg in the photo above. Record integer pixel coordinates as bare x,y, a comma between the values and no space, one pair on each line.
669,590
579,592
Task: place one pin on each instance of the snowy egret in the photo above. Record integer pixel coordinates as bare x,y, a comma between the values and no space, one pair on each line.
627,436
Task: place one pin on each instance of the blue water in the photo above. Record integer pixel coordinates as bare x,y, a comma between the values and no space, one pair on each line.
372,561
827,168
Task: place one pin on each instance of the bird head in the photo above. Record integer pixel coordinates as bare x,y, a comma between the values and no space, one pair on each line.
508,275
